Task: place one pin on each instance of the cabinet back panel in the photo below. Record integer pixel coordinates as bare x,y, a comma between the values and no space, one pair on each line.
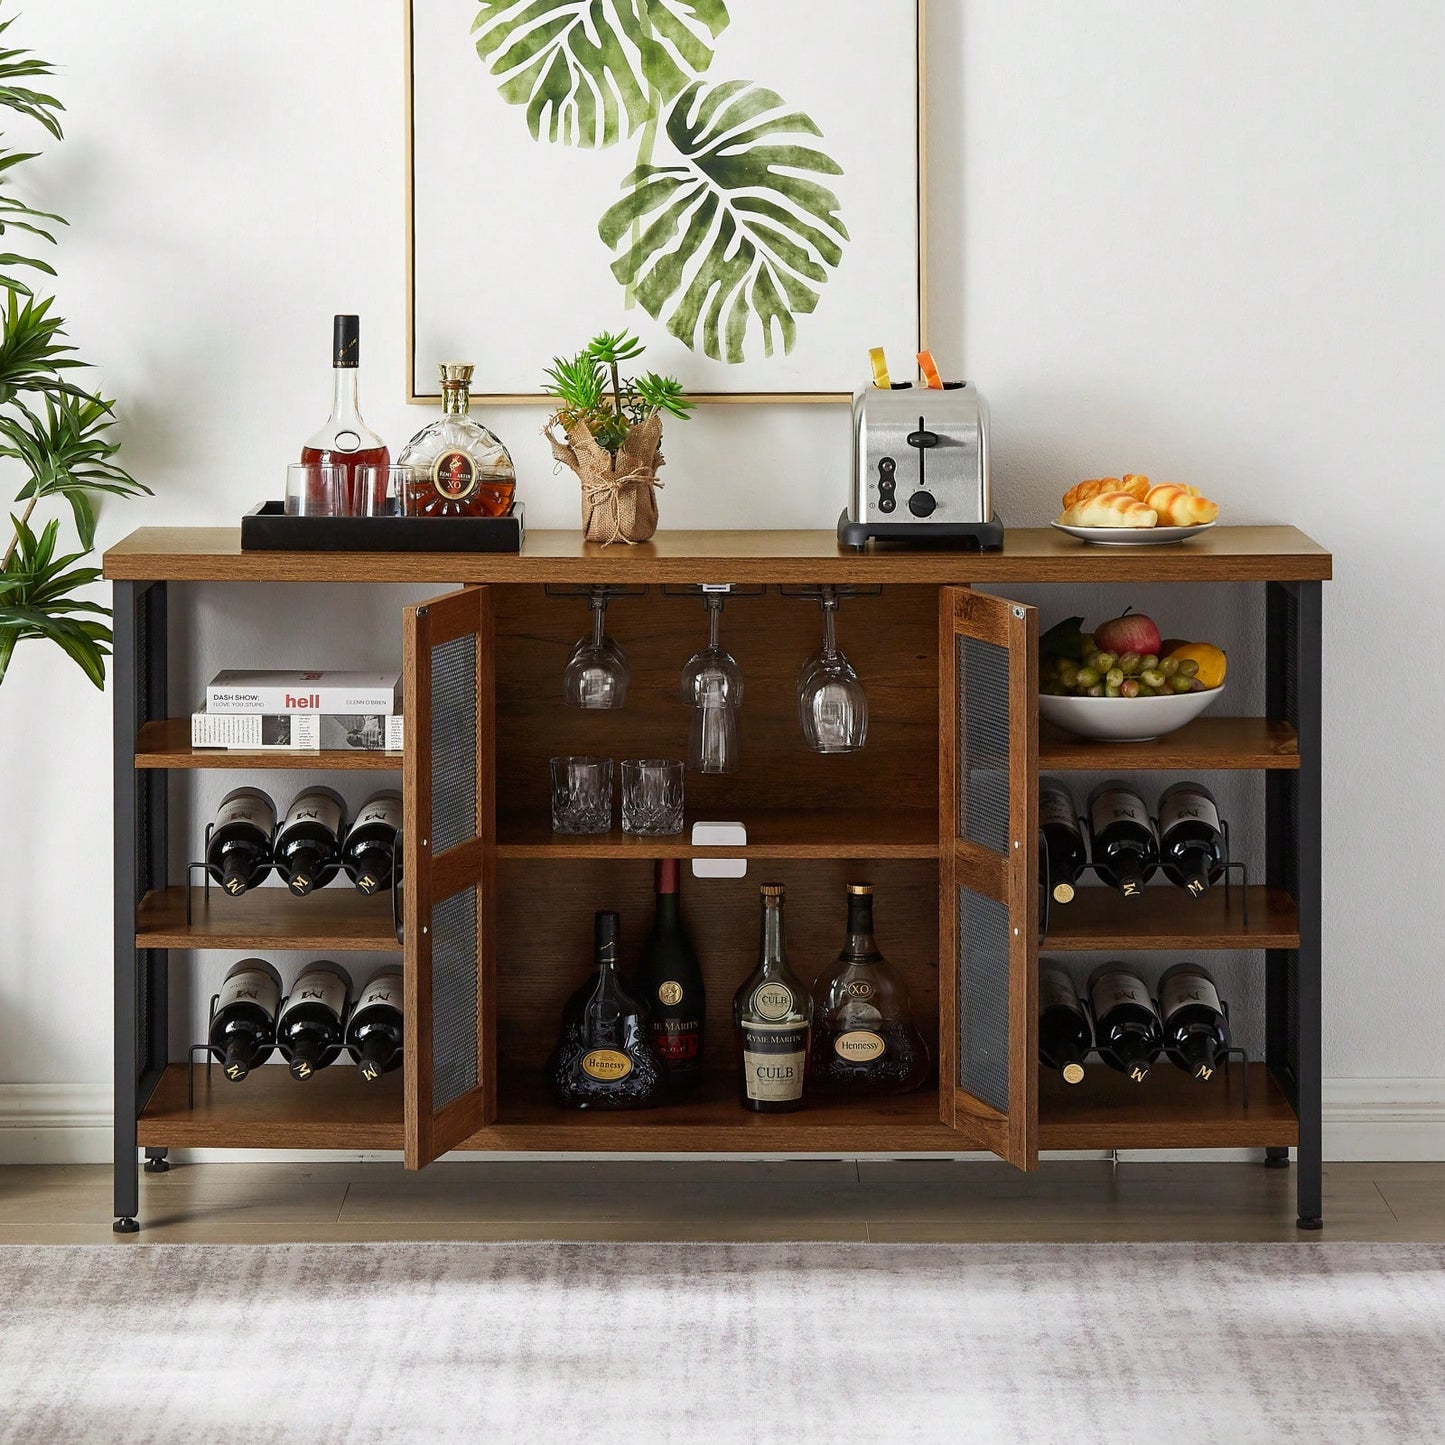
544,936
891,640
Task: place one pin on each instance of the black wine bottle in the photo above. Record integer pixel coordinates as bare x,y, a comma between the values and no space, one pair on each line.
1196,1028
669,982
604,1057
374,1031
243,1025
369,852
1063,839
311,1027
1065,1036
1123,844
1192,850
238,852
308,842
1126,1023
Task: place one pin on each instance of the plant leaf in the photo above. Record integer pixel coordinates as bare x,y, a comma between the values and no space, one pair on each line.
737,239
584,69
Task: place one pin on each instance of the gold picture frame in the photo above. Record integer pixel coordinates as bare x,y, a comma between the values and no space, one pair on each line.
415,398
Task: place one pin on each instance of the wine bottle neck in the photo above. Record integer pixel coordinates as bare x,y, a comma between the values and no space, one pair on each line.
772,948
860,926
346,396
376,1051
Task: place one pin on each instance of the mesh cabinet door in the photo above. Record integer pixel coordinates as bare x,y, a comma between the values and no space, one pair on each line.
988,872
449,872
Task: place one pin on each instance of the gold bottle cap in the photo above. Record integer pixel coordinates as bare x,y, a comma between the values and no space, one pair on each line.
771,890
1063,892
860,888
1073,1073
455,373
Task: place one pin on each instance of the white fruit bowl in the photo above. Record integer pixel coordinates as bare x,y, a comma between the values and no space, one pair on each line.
1126,719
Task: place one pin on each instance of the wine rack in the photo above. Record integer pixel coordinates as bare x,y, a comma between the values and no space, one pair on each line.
937,810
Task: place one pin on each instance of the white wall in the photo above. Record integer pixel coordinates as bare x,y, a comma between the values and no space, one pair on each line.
1202,241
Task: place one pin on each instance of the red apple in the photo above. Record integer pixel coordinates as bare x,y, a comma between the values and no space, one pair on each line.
1133,632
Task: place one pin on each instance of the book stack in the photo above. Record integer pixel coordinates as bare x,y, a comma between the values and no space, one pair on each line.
248,711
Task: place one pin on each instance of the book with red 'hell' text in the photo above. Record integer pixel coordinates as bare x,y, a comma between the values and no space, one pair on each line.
240,691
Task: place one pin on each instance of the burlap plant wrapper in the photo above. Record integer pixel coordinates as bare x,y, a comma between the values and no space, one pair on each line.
619,498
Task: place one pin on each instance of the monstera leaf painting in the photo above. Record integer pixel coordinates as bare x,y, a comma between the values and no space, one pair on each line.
593,71
737,230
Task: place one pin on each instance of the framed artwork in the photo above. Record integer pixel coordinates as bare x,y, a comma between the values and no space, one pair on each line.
738,182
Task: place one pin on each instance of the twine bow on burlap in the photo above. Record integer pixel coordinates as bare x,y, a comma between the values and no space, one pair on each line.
619,496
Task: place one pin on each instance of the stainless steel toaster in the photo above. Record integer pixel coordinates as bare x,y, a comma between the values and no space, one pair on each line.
921,467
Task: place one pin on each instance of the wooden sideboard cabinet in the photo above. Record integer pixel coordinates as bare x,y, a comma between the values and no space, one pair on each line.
938,810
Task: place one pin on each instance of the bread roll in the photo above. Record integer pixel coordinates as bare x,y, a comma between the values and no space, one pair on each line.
1178,506
1110,509
1082,491
1135,485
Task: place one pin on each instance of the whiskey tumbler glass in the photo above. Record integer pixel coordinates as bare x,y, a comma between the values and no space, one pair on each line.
581,795
651,796
313,489
378,491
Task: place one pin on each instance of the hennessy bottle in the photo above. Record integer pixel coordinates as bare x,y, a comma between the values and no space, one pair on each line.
865,1043
604,1057
458,467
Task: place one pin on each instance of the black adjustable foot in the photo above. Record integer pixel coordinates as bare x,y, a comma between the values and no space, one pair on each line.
1276,1158
156,1161
126,1225
1310,1221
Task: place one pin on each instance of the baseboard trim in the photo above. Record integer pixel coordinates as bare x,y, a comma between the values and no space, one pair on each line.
1364,1119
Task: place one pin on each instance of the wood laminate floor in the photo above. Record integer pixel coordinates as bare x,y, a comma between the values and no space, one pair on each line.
894,1202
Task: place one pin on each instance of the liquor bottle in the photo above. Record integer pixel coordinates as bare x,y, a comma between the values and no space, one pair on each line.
1123,844
865,1043
308,842
1192,850
374,1030
773,1014
1126,1023
311,1027
243,1023
604,1057
669,982
1196,1028
458,467
1063,839
238,852
346,441
1065,1037
369,852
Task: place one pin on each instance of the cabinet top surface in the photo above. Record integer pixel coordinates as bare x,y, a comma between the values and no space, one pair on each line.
1031,554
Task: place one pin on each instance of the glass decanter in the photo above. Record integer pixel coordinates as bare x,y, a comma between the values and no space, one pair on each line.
458,467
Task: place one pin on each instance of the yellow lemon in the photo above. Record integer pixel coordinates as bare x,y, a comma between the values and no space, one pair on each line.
1212,662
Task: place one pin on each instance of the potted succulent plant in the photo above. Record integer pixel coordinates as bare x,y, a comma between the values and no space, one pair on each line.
608,429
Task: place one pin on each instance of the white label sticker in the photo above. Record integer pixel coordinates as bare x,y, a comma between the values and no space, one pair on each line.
384,989
385,810
1184,989
247,808
314,807
1112,989
1055,988
319,986
253,986
1118,805
1055,806
775,1060
1184,807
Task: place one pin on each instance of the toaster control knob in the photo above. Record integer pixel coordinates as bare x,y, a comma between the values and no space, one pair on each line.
922,504
887,505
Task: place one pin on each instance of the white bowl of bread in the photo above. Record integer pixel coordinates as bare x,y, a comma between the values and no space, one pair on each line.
1131,510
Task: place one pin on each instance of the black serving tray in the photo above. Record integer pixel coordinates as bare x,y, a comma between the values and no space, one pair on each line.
267,528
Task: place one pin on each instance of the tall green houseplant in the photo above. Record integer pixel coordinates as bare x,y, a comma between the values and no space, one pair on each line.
60,435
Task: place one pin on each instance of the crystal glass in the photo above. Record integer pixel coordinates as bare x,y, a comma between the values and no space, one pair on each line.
581,795
712,740
312,489
712,669
459,468
651,796
597,674
378,491
832,706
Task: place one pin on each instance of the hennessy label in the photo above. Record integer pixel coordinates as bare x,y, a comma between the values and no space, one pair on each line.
454,475
859,1046
606,1065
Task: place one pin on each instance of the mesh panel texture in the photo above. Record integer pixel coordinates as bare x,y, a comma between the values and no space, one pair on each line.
454,997
983,744
983,1032
453,743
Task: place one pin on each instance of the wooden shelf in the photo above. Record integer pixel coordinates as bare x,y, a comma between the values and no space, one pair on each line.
335,919
826,833
715,1123
269,1109
167,744
1168,1110
1206,743
1100,920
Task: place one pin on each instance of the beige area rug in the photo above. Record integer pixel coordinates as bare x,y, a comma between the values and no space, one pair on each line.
704,1343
